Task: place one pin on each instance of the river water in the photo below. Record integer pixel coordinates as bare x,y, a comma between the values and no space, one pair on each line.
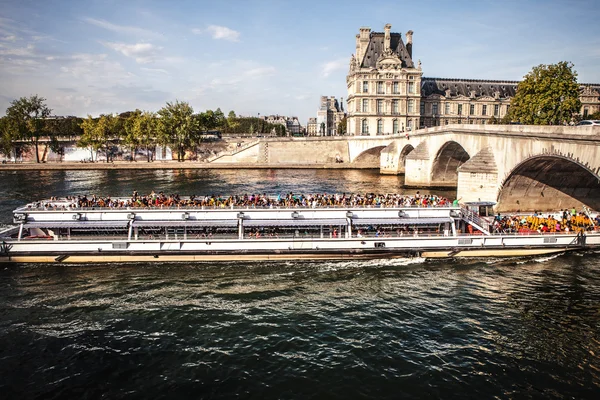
493,328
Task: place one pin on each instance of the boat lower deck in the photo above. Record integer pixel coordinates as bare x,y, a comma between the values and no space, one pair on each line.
104,257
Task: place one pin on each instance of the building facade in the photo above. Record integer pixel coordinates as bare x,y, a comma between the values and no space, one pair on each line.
464,101
292,124
384,84
311,127
590,99
330,114
387,93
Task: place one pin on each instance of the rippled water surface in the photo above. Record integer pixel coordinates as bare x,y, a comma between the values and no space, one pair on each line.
503,328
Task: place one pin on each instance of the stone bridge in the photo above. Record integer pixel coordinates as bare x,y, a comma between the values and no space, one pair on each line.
519,167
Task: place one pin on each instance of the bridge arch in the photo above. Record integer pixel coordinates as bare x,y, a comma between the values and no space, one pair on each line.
402,161
549,182
371,155
444,170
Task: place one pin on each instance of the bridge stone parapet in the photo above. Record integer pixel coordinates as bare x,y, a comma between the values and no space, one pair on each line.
511,164
518,166
310,150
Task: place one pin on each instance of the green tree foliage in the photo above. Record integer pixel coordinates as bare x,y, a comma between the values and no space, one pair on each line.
249,125
219,119
178,124
108,129
89,138
280,130
595,115
231,114
7,136
99,134
145,129
342,127
548,95
28,115
131,138
62,127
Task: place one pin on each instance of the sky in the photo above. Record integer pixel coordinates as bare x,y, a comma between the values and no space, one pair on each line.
89,57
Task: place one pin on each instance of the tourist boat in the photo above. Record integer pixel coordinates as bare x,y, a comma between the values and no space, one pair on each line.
57,231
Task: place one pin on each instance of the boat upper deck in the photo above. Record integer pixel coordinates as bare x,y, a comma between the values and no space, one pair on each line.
290,200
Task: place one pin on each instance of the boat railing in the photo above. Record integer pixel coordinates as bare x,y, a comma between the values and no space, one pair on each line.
235,207
475,220
199,237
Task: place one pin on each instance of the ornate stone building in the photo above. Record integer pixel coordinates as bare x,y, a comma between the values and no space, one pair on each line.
590,99
330,113
384,84
292,124
311,127
388,95
464,101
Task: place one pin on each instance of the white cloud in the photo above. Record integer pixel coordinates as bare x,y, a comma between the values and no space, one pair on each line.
143,53
18,51
129,30
260,71
9,38
219,32
156,70
333,66
93,68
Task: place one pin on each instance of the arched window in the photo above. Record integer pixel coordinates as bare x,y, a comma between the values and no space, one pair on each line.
395,126
364,128
379,126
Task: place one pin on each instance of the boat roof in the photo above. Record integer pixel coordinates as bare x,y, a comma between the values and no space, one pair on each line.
480,203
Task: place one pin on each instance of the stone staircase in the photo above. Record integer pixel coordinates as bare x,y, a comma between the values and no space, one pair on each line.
235,151
475,220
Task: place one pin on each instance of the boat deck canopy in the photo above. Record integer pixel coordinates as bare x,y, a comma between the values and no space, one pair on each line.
76,224
188,223
400,221
295,222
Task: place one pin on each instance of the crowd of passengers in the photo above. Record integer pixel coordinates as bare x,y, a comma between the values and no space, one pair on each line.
161,200
566,221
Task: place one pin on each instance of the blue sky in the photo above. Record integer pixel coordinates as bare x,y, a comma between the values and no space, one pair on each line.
269,56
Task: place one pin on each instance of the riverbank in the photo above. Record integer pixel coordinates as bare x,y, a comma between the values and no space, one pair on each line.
124,165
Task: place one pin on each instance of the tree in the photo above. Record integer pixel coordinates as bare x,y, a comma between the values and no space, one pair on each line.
548,95
179,126
220,120
7,137
62,127
145,129
107,129
131,137
595,115
29,119
231,114
342,126
89,138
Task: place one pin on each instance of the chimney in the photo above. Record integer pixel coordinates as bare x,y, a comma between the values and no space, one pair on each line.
386,43
409,42
363,39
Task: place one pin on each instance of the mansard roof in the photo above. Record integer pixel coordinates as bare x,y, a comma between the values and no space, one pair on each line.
376,47
590,89
465,87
